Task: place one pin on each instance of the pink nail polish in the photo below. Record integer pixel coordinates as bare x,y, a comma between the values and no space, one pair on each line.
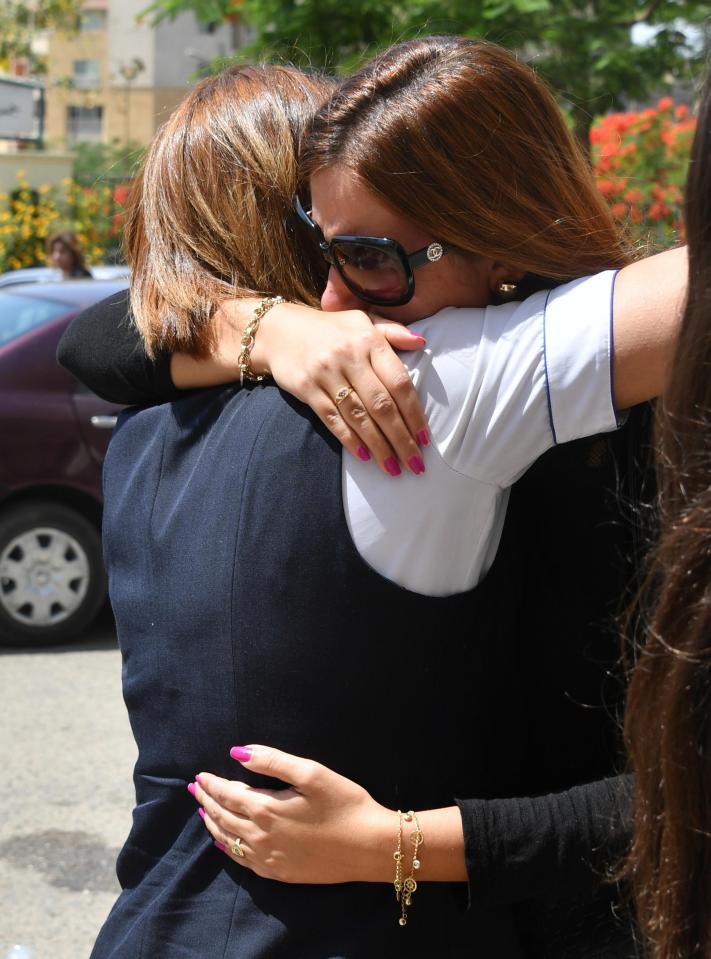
416,465
201,813
392,466
421,339
423,438
241,753
192,789
363,454
220,846
198,780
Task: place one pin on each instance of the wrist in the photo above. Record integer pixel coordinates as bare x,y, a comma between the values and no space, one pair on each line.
375,843
230,321
273,343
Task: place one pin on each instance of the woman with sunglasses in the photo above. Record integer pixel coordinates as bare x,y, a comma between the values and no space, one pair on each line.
499,916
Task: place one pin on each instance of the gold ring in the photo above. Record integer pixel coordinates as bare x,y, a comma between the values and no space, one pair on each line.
343,394
236,848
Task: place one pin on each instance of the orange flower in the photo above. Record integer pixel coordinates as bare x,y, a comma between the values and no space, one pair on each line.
666,103
121,194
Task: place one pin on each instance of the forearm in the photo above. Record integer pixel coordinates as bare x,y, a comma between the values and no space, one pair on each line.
104,350
229,322
560,845
648,303
189,372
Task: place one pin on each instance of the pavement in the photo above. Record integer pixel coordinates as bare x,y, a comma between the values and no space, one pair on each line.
67,756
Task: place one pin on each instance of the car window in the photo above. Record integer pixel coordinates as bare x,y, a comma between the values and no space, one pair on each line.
20,314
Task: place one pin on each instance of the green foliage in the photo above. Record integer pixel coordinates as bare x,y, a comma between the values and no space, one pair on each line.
108,163
19,22
206,11
583,49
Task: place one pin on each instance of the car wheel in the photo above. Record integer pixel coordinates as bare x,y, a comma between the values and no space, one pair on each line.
52,579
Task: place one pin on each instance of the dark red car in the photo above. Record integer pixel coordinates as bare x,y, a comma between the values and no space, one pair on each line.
53,437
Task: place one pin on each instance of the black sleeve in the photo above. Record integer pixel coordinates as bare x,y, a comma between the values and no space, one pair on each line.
103,349
560,845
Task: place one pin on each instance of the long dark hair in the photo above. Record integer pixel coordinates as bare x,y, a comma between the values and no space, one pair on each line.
668,716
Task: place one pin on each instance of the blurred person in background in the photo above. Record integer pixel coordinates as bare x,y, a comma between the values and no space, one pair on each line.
64,253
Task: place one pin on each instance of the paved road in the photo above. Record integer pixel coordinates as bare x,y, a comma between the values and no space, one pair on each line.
66,793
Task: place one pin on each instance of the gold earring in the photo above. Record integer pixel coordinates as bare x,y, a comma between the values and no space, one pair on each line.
506,289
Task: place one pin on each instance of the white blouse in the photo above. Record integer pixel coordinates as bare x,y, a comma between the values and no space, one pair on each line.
499,386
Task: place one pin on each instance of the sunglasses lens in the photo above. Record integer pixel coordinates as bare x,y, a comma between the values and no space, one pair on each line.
375,273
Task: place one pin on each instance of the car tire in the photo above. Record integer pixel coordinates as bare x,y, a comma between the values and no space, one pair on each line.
52,578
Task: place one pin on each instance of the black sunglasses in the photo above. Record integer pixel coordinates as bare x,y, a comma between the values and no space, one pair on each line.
375,268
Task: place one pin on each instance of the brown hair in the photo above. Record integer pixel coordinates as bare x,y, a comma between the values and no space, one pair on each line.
460,137
210,215
668,715
71,242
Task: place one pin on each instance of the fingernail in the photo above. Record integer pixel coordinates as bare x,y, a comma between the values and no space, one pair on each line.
423,438
363,454
416,465
241,753
192,789
420,338
392,466
201,812
198,780
220,846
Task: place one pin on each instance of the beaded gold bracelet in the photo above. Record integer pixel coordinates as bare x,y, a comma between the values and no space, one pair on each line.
247,342
405,888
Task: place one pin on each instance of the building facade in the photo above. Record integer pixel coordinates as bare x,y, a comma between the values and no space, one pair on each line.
119,78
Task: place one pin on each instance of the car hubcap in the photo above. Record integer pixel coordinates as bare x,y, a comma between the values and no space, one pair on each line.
44,577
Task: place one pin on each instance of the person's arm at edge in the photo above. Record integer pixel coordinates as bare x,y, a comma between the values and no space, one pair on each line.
326,828
103,349
558,845
648,303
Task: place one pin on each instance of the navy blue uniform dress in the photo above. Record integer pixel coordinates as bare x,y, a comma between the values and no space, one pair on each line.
244,615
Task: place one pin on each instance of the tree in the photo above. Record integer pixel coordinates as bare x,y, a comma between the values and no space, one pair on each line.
584,48
20,21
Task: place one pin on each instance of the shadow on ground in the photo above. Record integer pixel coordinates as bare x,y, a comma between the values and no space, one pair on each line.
66,860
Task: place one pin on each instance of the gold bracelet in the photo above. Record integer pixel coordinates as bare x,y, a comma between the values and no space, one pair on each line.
405,888
247,342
